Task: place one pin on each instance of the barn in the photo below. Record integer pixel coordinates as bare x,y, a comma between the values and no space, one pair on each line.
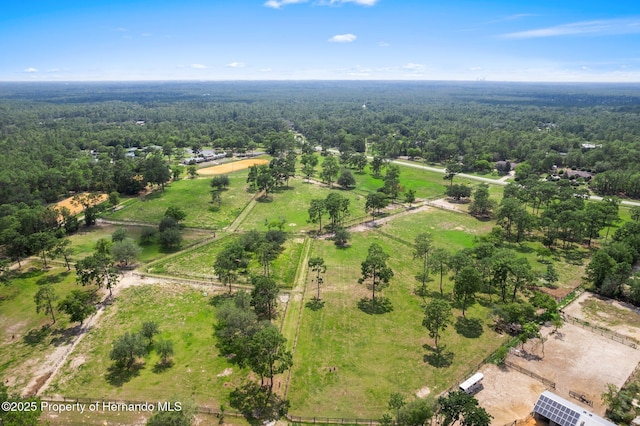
555,410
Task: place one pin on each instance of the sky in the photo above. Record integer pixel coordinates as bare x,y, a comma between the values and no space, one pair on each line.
501,40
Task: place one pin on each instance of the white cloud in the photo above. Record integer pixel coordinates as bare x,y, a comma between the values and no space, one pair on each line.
236,65
414,67
146,34
384,44
597,27
343,38
198,66
340,2
31,69
277,4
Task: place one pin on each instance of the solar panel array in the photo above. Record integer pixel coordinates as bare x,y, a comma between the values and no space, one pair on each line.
556,411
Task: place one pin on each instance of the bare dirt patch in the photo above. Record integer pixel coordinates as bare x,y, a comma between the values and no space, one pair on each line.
616,316
446,204
368,225
507,394
74,208
574,359
580,360
226,372
423,392
231,167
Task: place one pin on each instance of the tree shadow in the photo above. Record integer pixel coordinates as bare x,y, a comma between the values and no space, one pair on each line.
219,299
440,358
265,199
118,375
37,335
315,304
161,367
53,279
64,336
30,273
574,256
378,306
470,328
523,249
151,195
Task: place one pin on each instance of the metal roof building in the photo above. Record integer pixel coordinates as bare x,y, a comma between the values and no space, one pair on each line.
561,412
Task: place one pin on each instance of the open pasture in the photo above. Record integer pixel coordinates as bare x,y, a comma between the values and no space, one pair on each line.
28,337
374,355
198,263
292,204
185,316
194,197
83,242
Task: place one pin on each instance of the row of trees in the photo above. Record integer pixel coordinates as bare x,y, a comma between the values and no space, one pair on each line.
246,336
454,407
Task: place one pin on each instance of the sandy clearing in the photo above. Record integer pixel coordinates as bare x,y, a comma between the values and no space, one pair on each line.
507,394
602,319
74,208
575,359
231,167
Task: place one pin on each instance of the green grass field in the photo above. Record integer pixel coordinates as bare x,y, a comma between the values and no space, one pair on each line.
83,243
184,316
293,203
449,230
27,337
198,263
194,197
374,355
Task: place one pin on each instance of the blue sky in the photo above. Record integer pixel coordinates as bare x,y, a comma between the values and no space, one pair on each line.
505,40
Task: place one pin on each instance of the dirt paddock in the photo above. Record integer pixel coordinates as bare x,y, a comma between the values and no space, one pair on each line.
613,315
575,358
75,208
231,167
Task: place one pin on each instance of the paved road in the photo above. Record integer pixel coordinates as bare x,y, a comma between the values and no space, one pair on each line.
478,178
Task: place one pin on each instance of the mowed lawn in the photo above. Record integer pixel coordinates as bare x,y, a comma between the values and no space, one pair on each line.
28,337
83,243
185,316
194,197
449,230
373,355
293,203
198,263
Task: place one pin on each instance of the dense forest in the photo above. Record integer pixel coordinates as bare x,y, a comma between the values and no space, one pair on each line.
66,138
47,130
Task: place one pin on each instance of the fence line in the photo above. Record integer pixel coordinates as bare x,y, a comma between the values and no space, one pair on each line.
330,420
616,337
631,376
546,382
581,397
104,404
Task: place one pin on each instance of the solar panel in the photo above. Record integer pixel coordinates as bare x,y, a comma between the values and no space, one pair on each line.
556,412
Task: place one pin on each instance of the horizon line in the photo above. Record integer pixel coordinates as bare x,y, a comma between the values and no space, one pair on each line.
317,81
